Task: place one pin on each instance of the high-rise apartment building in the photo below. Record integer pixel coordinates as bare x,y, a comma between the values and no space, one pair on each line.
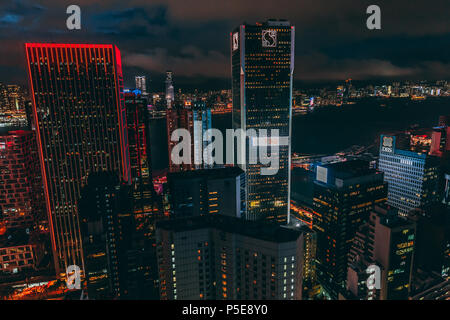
80,121
225,258
344,194
21,195
262,58
412,177
23,223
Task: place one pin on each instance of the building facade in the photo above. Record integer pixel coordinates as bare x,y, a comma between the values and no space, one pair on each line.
117,262
145,206
387,241
344,195
21,193
217,257
141,84
433,238
211,191
412,177
170,91
12,98
80,121
195,118
262,58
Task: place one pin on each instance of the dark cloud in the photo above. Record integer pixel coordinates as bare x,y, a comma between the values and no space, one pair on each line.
189,62
191,37
132,21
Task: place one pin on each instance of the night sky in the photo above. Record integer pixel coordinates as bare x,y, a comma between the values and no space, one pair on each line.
191,37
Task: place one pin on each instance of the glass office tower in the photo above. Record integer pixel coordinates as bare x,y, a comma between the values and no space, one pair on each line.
262,58
80,121
412,177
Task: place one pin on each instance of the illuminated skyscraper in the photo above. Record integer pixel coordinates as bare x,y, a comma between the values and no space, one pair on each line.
170,93
80,121
139,149
262,58
412,177
12,98
141,84
194,117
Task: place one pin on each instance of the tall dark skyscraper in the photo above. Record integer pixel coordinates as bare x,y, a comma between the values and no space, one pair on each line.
102,212
262,58
344,194
80,120
117,264
139,149
432,253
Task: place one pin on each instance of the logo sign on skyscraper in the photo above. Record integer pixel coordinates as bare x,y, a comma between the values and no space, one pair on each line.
388,143
235,41
269,38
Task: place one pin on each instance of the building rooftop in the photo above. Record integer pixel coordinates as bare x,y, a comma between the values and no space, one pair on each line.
342,174
389,216
217,173
258,230
350,169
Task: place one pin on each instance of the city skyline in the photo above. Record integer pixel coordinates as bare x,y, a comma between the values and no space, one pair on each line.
332,40
336,179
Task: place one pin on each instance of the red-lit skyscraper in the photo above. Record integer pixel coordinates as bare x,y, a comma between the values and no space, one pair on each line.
80,120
